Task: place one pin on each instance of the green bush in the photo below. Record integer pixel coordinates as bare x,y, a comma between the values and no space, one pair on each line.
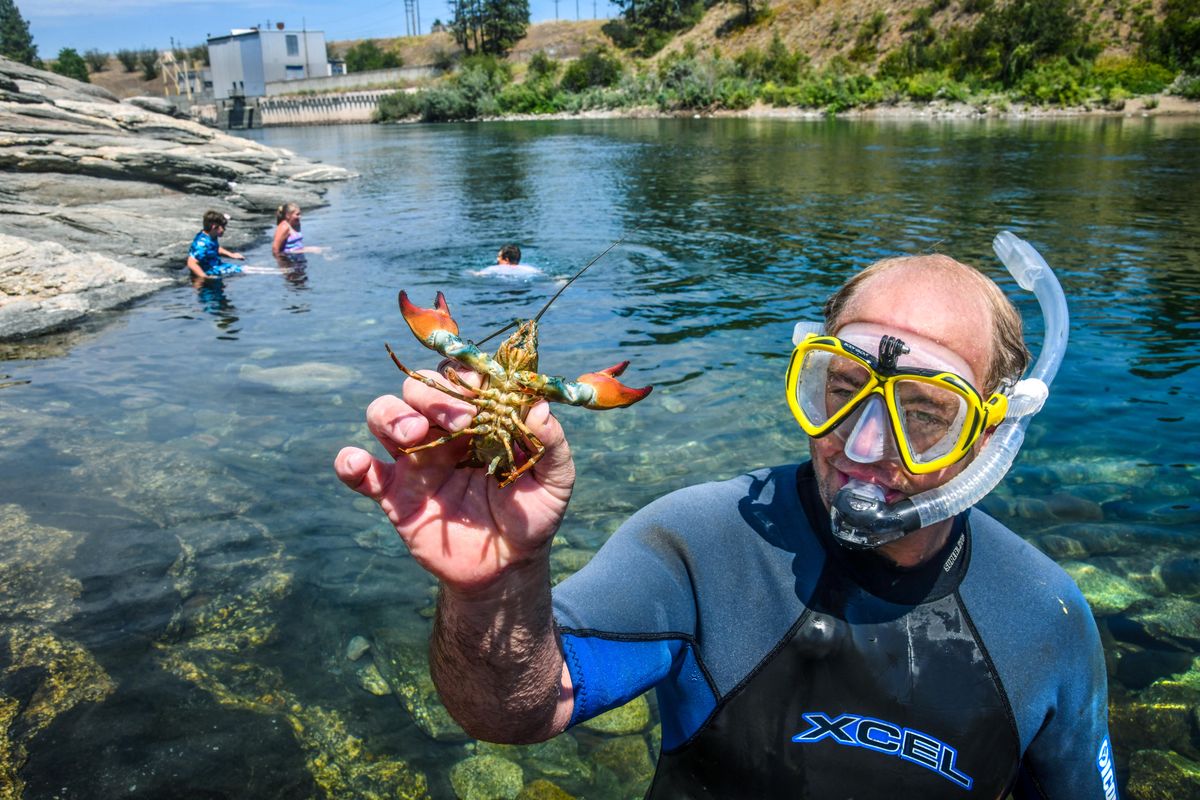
1058,83
128,59
927,86
542,66
1133,75
595,67
400,105
366,56
531,97
97,60
1188,87
148,60
71,65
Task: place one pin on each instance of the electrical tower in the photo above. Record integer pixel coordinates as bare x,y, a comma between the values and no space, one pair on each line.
412,18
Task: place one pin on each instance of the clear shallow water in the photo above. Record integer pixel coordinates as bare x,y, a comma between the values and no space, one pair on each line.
184,573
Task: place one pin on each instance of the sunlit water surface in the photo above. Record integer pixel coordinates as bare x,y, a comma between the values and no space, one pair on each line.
183,575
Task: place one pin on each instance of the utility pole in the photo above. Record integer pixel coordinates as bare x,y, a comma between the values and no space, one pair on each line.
555,9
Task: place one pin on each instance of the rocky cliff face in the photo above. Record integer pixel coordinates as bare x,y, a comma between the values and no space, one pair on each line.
100,198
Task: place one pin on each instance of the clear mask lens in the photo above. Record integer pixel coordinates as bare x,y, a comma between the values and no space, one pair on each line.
931,418
827,384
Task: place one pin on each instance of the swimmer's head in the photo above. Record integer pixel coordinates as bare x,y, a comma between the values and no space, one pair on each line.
213,220
509,254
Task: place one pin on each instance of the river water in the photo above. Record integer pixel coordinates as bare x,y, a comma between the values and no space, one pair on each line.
184,579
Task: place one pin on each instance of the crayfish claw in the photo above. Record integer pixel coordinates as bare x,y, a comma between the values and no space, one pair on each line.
610,392
426,322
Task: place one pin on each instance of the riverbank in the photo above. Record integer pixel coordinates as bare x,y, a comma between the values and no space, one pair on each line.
101,197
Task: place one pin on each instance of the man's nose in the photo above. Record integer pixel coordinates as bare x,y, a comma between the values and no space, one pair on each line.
870,439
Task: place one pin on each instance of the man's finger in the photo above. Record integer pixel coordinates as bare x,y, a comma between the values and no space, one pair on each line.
442,409
556,470
395,423
361,472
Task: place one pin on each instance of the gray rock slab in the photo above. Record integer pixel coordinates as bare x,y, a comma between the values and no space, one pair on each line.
119,188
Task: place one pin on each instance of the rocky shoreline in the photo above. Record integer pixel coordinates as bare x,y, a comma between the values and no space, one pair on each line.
101,197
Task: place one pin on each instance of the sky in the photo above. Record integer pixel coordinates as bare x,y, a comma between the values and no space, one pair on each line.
111,25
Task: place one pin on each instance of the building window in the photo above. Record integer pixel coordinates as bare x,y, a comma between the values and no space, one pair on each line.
293,44
293,71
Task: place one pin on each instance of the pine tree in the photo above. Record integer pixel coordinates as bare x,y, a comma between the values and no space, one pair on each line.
71,64
15,41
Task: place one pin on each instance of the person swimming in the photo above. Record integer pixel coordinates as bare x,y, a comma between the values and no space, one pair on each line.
289,240
508,265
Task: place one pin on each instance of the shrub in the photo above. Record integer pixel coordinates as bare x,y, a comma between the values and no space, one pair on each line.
70,64
400,105
128,59
531,97
1133,75
366,56
866,41
97,60
1057,83
595,67
927,86
148,60
1187,86
542,66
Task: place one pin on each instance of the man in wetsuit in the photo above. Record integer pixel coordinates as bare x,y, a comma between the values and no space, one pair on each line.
955,661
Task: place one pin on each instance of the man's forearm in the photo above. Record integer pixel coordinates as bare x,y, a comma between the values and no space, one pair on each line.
496,660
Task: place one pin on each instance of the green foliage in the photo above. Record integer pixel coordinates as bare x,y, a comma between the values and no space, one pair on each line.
489,26
595,67
199,53
778,64
366,56
542,66
833,89
1131,75
1057,82
649,24
128,58
866,41
400,105
1012,39
928,86
148,60
1174,42
531,97
1188,87
71,65
15,40
97,60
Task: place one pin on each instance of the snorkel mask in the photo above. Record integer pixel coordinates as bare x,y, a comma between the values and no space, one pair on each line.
934,415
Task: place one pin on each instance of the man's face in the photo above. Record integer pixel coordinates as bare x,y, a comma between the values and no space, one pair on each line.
950,325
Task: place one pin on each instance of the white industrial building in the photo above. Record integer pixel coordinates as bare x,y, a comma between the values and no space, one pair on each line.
245,61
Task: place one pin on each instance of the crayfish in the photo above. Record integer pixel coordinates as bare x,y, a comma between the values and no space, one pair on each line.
510,386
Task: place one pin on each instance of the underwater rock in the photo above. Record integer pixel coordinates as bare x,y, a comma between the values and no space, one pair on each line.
1162,716
566,561
1162,775
628,758
1106,593
1062,547
1170,621
1068,507
1096,539
381,539
633,717
357,646
542,789
1181,576
403,660
34,584
553,758
43,678
370,680
486,778
310,377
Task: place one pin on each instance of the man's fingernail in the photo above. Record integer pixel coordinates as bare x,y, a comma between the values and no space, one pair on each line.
405,429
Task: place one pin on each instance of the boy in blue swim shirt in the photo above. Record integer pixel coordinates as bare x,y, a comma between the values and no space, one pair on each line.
204,256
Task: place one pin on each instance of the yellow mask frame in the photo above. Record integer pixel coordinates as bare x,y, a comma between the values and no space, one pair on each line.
882,380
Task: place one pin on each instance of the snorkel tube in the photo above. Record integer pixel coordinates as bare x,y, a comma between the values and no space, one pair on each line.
861,518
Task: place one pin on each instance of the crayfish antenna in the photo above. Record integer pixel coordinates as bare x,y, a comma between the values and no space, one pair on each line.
425,322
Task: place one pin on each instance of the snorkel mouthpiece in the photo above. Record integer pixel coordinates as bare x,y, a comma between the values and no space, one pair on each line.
863,520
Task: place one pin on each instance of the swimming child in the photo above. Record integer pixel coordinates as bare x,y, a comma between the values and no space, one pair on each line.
204,256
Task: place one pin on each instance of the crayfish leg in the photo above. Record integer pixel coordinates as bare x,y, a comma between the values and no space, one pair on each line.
533,447
426,380
449,437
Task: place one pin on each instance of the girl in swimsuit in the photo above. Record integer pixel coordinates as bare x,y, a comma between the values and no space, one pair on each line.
289,241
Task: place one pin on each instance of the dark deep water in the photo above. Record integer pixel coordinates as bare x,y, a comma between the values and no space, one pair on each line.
183,574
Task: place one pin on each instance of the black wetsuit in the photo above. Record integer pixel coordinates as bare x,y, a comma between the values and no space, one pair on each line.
788,666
